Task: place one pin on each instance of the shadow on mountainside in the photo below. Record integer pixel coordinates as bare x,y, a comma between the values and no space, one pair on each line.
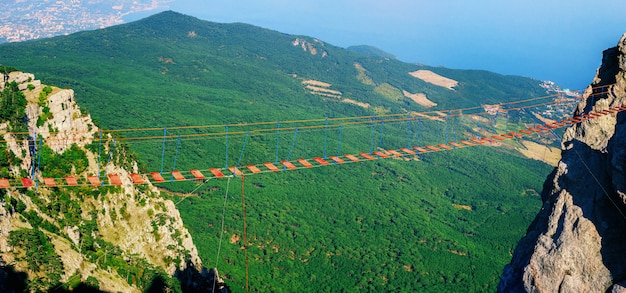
596,196
191,280
194,281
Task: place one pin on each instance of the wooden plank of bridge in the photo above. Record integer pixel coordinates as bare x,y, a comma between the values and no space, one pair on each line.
465,142
408,151
198,175
352,158
444,146
94,180
4,183
253,169
432,148
71,180
26,182
177,175
321,161
157,177
235,171
137,179
498,137
115,179
515,134
381,154
366,155
271,167
289,165
478,141
456,145
395,153
421,150
49,182
337,159
215,171
305,163
525,131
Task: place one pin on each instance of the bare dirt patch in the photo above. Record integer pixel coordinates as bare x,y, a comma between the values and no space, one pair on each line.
462,207
434,78
548,155
420,99
316,83
323,90
361,104
234,238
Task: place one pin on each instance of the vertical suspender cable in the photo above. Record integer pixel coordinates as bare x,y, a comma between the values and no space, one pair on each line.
495,123
226,163
372,142
325,137
38,160
293,143
447,126
32,159
339,139
176,153
163,149
408,131
506,124
382,128
277,139
99,149
111,151
245,140
417,136
455,122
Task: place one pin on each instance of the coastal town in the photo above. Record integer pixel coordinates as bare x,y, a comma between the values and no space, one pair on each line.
25,20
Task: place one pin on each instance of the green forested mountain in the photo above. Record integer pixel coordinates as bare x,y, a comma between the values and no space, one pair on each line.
445,222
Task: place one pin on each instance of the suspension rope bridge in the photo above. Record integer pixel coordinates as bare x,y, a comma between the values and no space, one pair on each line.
377,125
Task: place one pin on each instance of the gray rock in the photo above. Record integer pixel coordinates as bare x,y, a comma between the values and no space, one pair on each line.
576,242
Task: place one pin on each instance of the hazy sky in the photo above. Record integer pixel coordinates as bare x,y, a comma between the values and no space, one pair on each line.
558,40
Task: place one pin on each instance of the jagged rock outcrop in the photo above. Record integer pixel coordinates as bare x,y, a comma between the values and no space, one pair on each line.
577,242
125,225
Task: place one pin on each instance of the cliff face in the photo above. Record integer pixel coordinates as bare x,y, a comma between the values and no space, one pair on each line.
117,239
577,242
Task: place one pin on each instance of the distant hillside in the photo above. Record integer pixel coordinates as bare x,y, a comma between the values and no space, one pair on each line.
371,51
439,222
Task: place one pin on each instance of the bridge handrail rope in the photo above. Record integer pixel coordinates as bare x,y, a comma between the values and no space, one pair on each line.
267,131
194,175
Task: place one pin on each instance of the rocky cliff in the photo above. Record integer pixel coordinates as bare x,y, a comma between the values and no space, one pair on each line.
577,242
115,238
